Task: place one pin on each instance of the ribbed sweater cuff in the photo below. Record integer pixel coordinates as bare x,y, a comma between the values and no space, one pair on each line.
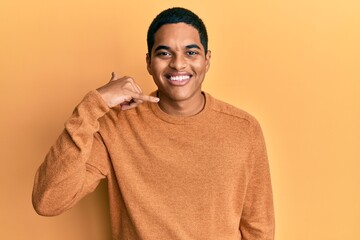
94,105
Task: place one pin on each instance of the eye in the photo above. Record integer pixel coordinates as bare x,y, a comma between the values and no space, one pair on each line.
192,53
163,54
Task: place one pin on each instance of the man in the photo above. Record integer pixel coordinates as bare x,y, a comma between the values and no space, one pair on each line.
179,163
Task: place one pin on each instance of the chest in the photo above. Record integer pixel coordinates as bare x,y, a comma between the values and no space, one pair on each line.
196,154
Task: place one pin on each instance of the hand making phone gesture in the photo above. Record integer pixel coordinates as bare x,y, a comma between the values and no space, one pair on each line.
124,92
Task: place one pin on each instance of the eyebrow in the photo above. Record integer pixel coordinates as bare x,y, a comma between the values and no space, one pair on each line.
164,47
193,46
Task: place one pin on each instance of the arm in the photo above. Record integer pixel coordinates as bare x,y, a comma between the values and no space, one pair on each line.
78,160
75,163
257,220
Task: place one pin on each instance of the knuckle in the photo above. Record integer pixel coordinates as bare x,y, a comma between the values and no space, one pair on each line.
128,78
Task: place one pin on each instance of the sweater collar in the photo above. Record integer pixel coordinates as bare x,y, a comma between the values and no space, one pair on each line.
181,119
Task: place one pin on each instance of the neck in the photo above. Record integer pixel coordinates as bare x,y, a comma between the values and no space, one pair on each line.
185,108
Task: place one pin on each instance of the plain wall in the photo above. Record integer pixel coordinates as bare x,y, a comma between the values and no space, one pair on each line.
294,65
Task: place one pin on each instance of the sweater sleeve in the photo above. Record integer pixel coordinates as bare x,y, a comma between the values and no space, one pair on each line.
76,163
257,220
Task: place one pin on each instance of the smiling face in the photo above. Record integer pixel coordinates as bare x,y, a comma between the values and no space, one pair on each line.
178,63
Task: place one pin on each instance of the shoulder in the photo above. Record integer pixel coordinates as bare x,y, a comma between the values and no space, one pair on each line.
234,120
226,110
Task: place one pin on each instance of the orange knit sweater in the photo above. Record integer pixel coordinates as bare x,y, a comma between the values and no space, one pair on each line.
169,177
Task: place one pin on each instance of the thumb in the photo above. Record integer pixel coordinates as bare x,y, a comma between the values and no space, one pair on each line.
113,76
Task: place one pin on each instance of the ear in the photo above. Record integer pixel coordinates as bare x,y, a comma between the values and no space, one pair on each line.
207,59
148,63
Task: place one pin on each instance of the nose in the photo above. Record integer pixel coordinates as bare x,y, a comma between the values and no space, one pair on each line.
178,62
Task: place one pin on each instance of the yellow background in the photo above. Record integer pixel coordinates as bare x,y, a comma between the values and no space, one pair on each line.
295,65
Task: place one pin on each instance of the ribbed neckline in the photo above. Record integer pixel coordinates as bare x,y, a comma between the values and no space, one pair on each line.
201,116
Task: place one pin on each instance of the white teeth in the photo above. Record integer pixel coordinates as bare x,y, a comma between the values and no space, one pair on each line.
179,78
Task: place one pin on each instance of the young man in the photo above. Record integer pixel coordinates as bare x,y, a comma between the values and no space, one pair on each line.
179,163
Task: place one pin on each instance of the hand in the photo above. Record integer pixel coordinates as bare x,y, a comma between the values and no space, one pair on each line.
124,92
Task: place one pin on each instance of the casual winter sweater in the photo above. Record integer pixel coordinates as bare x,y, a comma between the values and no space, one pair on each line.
169,177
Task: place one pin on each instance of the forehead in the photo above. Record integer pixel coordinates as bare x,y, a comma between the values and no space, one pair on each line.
177,35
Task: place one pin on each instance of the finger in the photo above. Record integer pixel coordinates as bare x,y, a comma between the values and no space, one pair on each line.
113,76
137,101
128,105
146,98
132,100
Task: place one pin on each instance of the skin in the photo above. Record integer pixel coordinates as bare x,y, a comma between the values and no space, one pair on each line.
178,51
178,65
124,92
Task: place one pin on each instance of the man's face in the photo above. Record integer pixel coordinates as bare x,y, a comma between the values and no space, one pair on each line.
178,62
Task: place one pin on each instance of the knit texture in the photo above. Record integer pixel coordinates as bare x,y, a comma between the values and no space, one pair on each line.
169,177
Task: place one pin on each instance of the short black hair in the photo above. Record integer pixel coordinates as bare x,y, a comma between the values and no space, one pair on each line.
176,15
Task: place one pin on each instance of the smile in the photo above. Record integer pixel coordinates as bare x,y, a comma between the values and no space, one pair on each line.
179,78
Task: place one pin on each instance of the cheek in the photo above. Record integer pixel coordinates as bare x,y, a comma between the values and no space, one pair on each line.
200,67
158,66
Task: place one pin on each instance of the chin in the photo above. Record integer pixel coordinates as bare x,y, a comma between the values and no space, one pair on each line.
180,96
